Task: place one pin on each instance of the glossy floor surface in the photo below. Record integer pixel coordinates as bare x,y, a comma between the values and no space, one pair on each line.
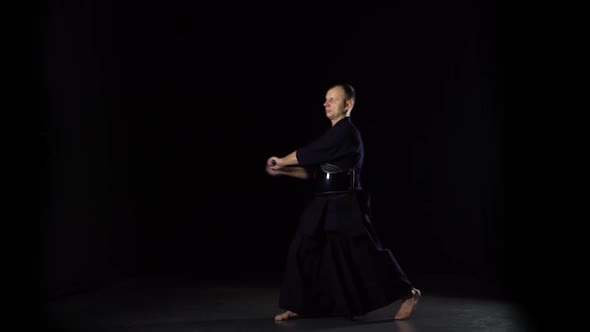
164,305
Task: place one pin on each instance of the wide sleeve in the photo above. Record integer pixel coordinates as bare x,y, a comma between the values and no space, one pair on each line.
336,143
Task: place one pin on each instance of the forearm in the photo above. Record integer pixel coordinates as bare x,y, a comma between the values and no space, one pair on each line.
288,160
295,171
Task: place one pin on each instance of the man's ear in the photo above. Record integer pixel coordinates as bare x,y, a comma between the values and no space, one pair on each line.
349,104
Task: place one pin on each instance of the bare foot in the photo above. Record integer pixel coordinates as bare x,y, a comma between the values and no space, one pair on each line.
408,305
286,315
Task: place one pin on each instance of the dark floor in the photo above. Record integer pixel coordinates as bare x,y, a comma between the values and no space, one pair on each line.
179,305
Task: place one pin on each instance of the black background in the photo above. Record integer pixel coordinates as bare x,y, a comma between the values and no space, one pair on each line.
156,119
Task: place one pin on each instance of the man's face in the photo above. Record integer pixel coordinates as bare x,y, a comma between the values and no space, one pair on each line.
335,103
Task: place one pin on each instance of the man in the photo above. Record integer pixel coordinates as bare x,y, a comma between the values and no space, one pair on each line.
335,263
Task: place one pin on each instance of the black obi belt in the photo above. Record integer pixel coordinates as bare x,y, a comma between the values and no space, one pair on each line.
330,178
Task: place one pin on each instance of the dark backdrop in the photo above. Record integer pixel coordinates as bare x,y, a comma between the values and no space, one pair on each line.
157,119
